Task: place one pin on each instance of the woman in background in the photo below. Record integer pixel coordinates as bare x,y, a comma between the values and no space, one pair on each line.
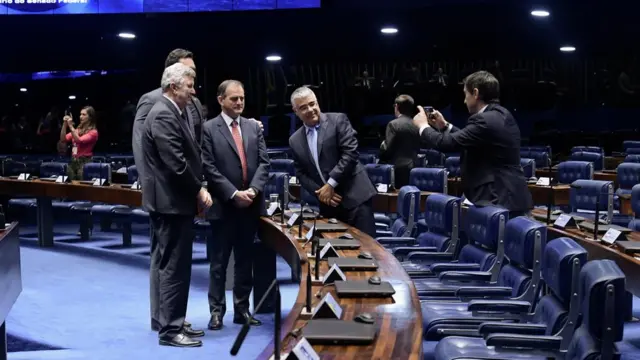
83,139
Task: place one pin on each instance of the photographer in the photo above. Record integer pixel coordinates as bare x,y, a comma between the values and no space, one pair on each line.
489,146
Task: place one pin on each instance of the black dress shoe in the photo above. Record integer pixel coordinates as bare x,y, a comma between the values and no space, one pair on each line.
215,323
180,340
191,332
186,324
242,319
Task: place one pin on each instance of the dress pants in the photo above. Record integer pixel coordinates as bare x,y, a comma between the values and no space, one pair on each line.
361,217
235,232
171,259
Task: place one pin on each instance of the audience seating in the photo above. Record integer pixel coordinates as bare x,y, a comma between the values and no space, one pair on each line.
634,224
405,225
14,168
529,167
366,159
585,193
629,144
47,170
628,175
594,149
542,158
570,171
633,151
596,158
380,174
283,165
632,159
434,158
452,164
429,179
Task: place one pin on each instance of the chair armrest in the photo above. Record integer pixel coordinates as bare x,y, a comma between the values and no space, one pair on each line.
482,291
384,233
510,306
403,251
465,276
422,256
489,328
458,332
549,343
397,241
454,266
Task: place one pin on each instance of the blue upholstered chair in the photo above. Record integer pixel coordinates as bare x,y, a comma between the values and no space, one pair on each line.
633,158
47,170
596,158
634,224
584,195
633,151
283,165
570,171
628,175
405,225
380,173
529,167
452,164
600,296
594,149
630,144
14,168
433,158
366,159
429,179
542,158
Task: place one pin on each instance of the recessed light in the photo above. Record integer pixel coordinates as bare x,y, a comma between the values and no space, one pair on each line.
540,13
273,58
567,49
23,89
126,35
389,30
72,97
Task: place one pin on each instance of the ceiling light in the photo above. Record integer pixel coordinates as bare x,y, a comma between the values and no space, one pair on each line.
23,89
389,30
126,35
273,58
540,13
72,97
567,49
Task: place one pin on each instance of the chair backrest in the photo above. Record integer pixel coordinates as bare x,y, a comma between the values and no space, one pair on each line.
278,184
442,214
485,227
309,198
595,149
539,149
628,175
528,166
633,151
597,158
570,171
277,154
93,170
433,157
632,159
630,144
452,164
541,157
380,173
429,179
132,174
283,165
634,224
524,241
13,168
584,195
367,159
408,211
603,295
50,169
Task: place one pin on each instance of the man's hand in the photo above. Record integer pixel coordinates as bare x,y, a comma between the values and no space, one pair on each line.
204,198
259,123
325,194
437,120
421,119
243,199
335,200
252,193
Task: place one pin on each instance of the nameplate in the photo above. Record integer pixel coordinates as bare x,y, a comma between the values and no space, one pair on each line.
273,207
24,176
135,186
62,179
293,180
99,182
293,219
328,308
612,235
563,221
334,274
328,251
303,351
310,233
382,188
543,181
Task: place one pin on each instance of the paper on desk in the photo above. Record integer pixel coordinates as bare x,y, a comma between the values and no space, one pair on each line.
466,201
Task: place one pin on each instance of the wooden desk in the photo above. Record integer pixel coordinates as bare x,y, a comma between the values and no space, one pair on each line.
398,319
10,279
607,175
612,162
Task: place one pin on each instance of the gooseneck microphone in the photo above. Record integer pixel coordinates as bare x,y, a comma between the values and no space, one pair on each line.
550,198
308,287
302,204
317,264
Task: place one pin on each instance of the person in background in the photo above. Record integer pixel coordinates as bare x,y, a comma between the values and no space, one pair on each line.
82,138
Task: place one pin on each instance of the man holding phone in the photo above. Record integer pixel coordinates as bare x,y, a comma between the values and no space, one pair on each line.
489,146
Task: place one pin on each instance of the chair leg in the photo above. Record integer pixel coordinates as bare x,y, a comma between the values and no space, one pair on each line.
105,223
86,227
126,234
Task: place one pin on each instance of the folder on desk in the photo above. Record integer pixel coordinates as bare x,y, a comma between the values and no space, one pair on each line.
362,289
629,247
325,227
353,264
602,228
341,244
338,332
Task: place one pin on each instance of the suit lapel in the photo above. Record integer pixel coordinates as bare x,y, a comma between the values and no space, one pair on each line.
184,126
305,144
322,133
226,132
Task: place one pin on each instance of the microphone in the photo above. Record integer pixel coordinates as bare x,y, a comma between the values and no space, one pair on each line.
308,287
302,204
550,198
237,344
317,264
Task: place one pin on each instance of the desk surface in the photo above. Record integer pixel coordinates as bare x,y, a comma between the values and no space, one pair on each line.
398,319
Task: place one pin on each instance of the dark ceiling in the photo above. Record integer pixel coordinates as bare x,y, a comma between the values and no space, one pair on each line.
342,29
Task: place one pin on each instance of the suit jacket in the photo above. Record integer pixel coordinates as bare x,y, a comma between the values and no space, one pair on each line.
171,162
337,158
222,167
146,102
402,142
490,158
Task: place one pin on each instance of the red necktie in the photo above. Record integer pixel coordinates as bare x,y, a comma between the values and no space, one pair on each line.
238,140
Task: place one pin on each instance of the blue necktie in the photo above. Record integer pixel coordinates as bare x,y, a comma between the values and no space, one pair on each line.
312,139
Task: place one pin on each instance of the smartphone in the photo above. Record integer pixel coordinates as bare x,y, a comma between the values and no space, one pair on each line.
429,110
67,112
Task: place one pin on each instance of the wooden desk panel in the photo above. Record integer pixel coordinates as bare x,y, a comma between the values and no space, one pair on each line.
398,319
10,278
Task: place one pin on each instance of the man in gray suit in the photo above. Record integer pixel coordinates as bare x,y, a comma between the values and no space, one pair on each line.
172,183
236,167
196,118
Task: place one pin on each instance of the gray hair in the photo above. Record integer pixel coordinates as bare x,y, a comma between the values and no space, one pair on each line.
175,74
301,92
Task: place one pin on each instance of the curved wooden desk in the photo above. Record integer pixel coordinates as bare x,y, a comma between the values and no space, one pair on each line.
398,319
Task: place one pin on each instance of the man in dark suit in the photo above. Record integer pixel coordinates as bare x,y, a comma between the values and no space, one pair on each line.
402,142
489,145
172,193
236,167
196,117
325,151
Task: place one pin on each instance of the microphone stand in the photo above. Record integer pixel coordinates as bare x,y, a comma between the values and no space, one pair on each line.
550,199
302,204
237,344
597,219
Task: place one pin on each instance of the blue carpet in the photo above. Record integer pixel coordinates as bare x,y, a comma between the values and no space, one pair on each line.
94,302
